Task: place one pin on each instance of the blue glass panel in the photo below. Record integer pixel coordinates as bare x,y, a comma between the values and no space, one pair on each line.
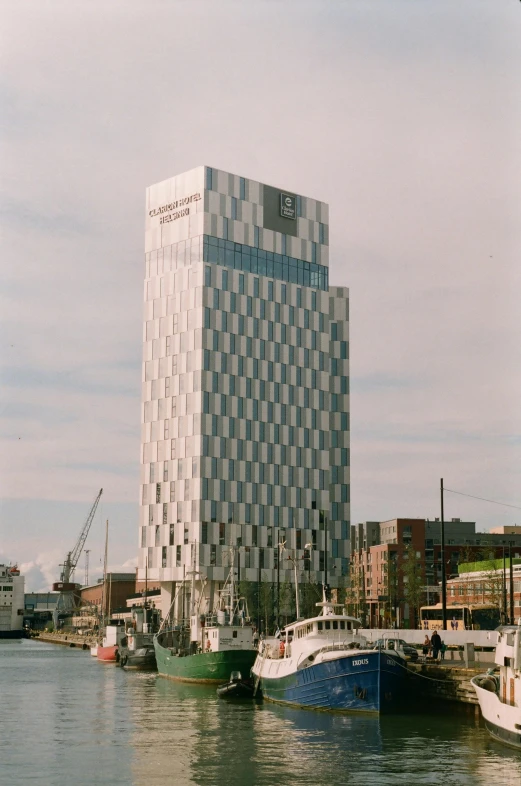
213,241
238,260
269,268
213,254
229,254
246,263
262,267
254,265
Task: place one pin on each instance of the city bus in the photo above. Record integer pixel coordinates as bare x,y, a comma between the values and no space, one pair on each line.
464,616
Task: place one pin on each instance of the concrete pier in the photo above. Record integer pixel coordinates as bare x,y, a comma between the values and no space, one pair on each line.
65,639
444,682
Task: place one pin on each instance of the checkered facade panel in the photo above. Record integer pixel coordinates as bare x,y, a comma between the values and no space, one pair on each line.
238,379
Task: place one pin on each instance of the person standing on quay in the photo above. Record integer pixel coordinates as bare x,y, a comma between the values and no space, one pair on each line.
435,644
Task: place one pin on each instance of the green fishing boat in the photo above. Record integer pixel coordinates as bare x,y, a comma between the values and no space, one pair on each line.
208,647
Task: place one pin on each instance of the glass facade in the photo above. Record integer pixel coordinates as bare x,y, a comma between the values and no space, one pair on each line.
265,263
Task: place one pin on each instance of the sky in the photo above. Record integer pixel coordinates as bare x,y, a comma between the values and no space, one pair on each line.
404,116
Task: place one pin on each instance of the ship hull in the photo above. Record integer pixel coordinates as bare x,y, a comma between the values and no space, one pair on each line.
136,661
205,667
13,634
503,721
107,654
371,682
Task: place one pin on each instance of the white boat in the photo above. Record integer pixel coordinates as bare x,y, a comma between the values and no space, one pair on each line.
499,690
324,663
94,650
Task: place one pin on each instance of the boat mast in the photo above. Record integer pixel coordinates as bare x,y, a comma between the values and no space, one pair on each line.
145,619
192,586
103,589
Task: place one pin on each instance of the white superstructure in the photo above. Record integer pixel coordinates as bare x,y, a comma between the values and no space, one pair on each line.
11,600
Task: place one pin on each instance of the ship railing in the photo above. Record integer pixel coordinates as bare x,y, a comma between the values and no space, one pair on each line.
340,647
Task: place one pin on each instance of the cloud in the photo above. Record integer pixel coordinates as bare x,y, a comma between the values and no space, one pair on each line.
403,120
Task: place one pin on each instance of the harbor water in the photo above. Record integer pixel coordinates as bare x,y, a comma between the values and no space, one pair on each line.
67,719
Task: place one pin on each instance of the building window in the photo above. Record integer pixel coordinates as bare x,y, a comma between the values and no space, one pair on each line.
178,556
213,555
225,228
256,237
242,188
208,276
163,557
209,178
158,535
234,208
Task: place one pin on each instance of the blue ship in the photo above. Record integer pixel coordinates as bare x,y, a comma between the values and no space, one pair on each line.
323,663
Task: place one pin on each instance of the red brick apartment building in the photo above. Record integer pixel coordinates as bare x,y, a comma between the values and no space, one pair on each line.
395,562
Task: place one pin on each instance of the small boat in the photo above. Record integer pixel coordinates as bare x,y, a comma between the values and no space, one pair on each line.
108,650
323,663
136,651
236,688
499,690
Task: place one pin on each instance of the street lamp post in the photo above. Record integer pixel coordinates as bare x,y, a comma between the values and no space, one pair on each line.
280,546
443,577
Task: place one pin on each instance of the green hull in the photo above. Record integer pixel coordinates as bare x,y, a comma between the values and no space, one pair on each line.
211,667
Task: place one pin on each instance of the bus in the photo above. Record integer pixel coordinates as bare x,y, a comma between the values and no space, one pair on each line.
465,616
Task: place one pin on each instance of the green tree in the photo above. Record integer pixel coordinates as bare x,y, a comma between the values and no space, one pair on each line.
413,578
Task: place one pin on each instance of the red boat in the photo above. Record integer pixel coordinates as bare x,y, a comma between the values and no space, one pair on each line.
107,653
108,649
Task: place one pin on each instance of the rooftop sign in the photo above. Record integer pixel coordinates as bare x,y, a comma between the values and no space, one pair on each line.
288,206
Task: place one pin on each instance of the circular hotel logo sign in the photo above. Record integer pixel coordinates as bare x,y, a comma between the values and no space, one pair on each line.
288,206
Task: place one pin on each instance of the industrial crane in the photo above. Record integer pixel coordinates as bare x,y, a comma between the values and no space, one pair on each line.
65,586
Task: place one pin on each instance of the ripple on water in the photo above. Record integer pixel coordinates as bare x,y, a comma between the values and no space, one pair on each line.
65,713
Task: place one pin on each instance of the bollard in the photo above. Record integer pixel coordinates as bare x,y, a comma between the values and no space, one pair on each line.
468,654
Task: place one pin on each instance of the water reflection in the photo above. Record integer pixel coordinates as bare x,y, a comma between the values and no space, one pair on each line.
189,736
67,718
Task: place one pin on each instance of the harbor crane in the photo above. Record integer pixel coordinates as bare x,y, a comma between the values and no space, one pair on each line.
65,586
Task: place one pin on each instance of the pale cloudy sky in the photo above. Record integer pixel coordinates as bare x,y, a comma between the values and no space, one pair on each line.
403,115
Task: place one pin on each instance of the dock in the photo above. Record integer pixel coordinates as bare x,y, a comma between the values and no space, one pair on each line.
444,683
65,639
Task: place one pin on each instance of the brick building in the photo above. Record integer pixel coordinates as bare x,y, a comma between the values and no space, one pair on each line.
119,586
396,565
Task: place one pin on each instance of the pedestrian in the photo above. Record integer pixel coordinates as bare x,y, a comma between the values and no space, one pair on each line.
255,638
435,644
443,650
426,645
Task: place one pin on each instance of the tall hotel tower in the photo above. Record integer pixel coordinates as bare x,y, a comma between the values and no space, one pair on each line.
245,419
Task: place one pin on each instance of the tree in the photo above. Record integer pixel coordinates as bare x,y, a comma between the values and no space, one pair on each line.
310,595
413,582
